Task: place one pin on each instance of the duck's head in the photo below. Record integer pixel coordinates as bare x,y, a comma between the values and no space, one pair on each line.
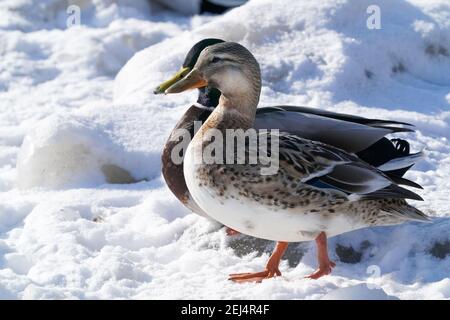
229,67
208,96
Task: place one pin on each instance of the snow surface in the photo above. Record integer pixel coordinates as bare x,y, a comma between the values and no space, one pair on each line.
71,124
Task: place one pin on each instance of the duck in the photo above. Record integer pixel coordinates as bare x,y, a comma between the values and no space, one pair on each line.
337,173
368,141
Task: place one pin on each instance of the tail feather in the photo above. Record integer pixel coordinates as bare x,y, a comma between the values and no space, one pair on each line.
405,211
401,162
405,182
393,191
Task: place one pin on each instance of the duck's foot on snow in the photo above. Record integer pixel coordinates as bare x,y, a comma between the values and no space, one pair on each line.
254,276
322,271
271,267
325,264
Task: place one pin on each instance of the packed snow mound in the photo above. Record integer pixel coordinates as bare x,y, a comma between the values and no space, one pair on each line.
96,144
72,231
68,152
51,68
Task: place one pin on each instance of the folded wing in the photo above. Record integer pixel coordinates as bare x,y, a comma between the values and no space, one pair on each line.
326,167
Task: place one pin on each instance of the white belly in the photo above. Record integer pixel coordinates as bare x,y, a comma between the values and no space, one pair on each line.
251,218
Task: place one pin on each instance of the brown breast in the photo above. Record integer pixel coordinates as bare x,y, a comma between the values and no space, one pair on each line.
173,173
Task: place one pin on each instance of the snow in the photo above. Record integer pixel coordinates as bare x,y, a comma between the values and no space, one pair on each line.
78,113
358,292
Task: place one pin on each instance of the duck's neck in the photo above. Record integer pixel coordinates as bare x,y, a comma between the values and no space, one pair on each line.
242,106
235,111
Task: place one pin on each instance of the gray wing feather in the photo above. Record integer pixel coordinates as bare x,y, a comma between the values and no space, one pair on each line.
399,126
349,136
353,178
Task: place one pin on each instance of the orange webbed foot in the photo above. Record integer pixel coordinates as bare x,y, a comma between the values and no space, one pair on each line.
272,267
254,276
322,271
325,264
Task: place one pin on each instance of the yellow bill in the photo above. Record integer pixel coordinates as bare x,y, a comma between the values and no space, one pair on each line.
191,81
174,79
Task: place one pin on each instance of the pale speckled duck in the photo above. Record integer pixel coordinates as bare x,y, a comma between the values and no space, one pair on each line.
327,183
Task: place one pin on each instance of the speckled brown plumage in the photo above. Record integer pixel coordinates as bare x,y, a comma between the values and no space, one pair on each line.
277,192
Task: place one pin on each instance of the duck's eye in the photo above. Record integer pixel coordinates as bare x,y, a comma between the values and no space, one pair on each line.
215,59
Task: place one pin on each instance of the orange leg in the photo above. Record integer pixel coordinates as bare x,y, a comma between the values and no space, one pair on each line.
231,232
325,265
271,267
